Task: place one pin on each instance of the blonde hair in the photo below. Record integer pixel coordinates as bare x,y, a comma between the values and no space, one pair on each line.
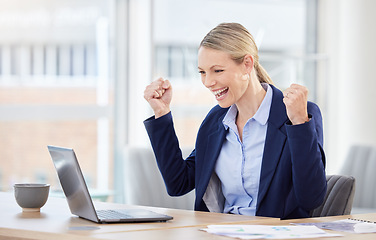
235,39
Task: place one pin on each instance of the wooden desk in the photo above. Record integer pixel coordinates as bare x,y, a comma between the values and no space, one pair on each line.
189,233
56,222
55,217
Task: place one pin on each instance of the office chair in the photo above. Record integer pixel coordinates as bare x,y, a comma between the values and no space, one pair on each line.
339,196
144,184
361,163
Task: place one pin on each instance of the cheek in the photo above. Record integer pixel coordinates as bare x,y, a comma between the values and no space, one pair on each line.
241,77
232,78
239,86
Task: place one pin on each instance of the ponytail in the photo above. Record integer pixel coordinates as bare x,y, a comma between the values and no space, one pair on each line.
262,75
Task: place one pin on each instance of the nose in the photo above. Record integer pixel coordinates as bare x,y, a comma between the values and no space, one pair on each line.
208,81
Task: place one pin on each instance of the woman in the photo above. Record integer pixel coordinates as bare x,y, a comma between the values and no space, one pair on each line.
258,152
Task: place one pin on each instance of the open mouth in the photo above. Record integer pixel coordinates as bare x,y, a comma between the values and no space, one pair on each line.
220,93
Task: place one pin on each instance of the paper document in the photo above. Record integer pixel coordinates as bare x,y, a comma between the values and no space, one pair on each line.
267,231
346,225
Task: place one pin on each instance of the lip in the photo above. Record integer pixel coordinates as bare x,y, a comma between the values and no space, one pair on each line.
220,93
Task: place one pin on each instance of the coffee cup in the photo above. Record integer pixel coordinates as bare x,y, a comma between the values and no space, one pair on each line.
31,196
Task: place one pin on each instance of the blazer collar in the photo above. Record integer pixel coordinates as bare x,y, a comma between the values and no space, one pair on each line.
274,142
213,147
277,116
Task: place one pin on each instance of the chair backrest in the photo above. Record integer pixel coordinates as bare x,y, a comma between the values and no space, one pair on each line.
339,196
361,164
144,184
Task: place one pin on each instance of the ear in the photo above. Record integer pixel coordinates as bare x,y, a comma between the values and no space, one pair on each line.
248,62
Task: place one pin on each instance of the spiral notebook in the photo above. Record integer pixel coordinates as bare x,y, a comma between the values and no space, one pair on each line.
346,225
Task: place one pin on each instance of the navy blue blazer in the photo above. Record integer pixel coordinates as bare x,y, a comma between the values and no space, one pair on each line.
292,180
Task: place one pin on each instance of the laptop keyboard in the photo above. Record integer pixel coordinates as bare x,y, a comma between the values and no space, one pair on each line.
112,214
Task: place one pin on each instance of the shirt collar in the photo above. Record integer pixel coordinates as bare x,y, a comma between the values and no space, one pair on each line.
230,116
261,115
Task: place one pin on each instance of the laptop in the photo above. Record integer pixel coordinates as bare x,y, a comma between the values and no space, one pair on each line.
78,197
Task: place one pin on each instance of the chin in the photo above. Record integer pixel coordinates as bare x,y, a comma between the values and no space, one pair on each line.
224,105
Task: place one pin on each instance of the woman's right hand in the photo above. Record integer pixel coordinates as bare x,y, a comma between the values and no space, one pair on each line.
159,95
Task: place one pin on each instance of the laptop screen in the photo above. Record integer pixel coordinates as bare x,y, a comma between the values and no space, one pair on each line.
72,182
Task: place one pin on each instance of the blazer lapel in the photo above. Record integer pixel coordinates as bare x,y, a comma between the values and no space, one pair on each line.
215,141
274,143
212,149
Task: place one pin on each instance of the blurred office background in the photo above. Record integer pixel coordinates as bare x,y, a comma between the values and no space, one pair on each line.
72,74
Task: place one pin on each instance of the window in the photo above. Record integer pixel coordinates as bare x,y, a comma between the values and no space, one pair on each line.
73,74
280,29
55,89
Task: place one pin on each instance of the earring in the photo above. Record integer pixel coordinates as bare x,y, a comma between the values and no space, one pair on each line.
245,77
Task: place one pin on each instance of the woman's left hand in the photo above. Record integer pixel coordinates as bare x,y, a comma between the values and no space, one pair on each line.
295,99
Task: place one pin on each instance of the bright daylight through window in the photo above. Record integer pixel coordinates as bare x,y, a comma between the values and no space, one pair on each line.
72,74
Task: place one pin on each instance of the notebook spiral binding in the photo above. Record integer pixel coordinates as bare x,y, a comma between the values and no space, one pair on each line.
361,220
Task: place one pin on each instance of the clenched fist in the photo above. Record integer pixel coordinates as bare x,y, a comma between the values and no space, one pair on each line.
295,100
159,95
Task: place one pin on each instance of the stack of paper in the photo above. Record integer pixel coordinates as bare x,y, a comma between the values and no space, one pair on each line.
267,232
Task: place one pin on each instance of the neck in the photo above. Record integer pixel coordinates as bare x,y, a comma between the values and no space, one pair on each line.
251,101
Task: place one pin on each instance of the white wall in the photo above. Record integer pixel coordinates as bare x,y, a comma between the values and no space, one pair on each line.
347,34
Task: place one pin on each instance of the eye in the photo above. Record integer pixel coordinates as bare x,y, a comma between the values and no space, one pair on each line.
201,72
218,70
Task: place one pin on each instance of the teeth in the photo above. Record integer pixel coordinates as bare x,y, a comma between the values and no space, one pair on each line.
219,91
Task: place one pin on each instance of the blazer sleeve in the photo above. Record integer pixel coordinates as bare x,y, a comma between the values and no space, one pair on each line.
308,159
178,174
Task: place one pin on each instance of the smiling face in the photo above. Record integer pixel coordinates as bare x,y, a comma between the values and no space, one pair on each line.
224,77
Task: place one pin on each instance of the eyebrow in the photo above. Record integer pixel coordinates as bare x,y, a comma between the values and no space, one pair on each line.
216,65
